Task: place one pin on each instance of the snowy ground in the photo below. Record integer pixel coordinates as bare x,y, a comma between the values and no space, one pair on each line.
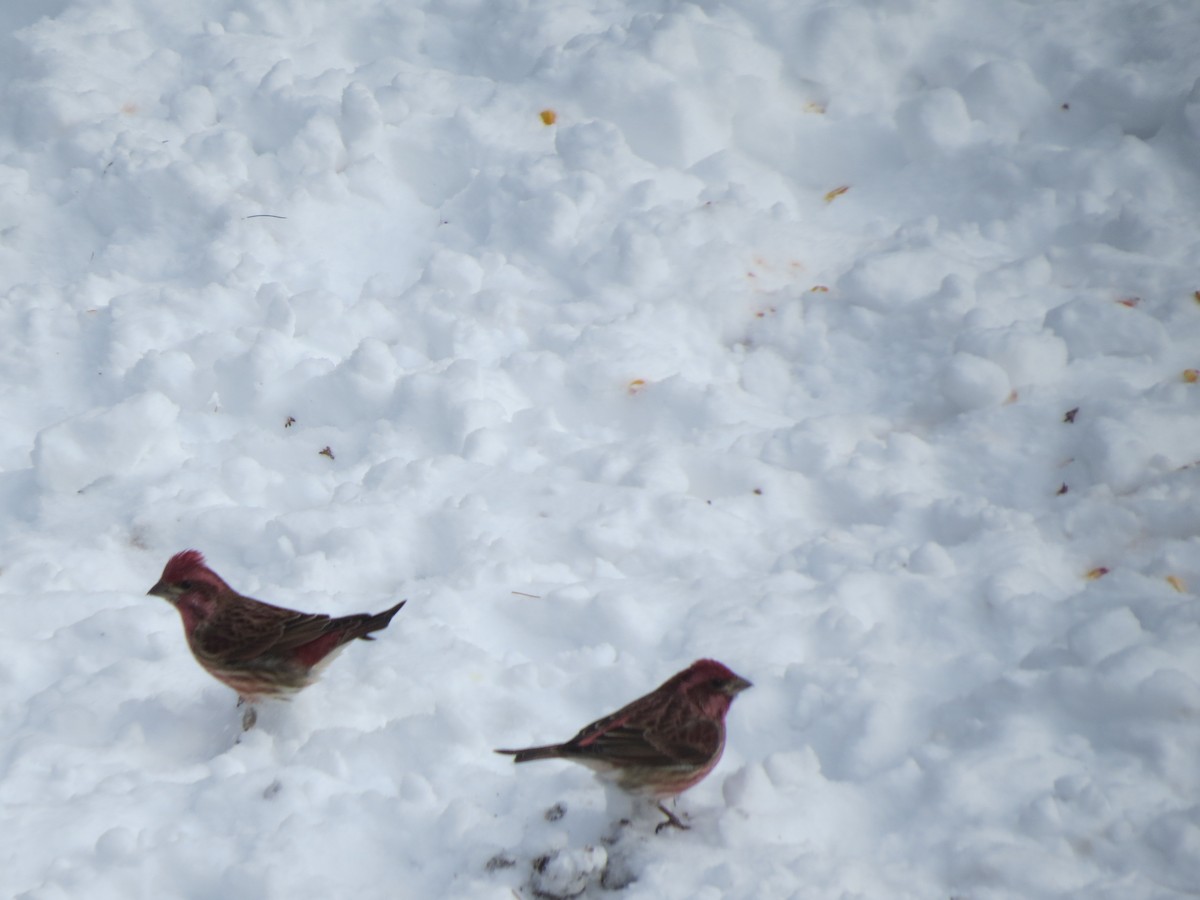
848,343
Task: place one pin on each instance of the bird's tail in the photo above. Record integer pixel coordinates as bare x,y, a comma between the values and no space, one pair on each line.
378,622
550,751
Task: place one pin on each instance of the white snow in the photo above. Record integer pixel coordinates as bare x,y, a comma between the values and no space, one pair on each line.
846,343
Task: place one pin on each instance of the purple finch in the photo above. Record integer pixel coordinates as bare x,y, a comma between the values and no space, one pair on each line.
257,649
660,744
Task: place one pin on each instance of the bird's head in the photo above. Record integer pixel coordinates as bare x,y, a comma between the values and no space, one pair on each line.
190,586
712,685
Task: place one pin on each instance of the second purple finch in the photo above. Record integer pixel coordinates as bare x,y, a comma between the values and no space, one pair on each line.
661,744
258,649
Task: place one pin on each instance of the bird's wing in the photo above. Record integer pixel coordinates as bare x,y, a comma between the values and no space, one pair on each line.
252,628
303,628
627,737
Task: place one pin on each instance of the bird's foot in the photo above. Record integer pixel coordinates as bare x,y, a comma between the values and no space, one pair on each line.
250,716
673,821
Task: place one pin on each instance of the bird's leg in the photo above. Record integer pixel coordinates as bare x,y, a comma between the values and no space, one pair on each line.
672,821
250,716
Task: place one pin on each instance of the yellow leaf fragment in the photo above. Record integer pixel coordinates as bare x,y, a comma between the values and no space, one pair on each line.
1191,376
814,106
1176,582
1098,572
836,192
548,116
818,289
637,385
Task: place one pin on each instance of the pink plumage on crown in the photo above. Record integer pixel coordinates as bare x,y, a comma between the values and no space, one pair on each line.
183,564
709,668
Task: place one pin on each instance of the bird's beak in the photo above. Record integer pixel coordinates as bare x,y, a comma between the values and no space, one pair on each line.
163,590
737,685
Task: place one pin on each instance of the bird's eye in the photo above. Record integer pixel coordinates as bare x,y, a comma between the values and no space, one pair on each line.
187,585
